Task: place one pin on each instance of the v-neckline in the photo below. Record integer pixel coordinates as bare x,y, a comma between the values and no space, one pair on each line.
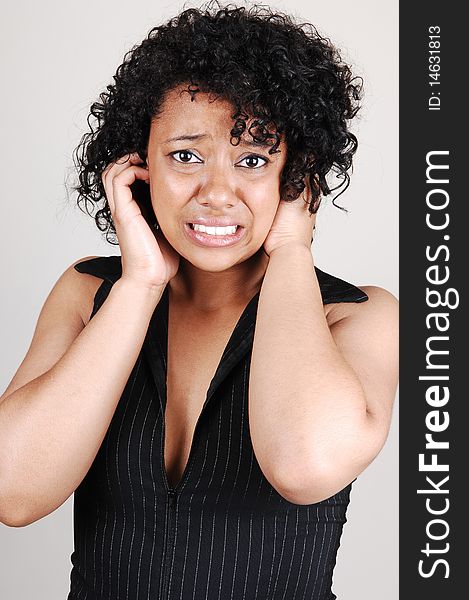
239,343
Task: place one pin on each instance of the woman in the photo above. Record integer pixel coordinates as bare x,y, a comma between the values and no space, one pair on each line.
210,395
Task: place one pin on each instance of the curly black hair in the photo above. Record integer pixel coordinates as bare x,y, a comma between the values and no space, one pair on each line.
284,77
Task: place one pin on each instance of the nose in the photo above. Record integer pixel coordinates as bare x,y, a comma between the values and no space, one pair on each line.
216,189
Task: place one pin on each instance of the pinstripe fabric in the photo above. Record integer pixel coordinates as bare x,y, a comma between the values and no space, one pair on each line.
223,532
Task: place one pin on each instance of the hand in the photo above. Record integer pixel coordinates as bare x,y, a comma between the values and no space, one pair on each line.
147,257
293,223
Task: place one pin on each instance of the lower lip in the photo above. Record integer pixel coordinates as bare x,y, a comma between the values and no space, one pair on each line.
213,241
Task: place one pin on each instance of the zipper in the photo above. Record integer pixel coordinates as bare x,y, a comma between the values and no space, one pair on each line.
172,495
172,499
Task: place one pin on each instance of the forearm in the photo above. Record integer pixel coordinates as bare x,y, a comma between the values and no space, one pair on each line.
306,404
51,428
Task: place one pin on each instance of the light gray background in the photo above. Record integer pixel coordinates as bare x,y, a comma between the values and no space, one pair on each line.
56,57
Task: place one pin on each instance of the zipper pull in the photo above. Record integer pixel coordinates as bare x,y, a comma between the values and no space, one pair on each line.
172,496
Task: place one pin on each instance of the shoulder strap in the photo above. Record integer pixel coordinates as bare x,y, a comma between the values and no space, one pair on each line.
334,289
109,268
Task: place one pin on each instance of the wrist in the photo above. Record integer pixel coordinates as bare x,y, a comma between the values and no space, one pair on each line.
143,291
290,248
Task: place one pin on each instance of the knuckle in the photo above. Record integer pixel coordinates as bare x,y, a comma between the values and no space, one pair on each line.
118,179
123,159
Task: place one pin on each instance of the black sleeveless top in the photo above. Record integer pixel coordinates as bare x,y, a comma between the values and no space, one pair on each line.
224,532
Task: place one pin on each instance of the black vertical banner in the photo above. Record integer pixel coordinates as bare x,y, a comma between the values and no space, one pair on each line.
434,261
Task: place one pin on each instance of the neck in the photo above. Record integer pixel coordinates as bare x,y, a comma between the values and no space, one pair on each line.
206,291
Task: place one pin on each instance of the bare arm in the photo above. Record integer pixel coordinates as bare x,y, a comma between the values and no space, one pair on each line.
320,396
58,407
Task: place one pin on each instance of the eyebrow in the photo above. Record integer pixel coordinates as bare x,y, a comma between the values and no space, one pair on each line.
199,136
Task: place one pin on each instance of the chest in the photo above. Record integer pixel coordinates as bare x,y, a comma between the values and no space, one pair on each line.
195,349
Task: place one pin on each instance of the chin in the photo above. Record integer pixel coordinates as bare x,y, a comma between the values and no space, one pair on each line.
217,261
213,264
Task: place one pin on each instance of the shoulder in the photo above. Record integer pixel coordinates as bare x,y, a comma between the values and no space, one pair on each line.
367,335
73,280
380,303
374,323
82,285
379,297
62,317
79,261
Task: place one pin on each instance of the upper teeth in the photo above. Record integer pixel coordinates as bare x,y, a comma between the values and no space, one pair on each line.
215,230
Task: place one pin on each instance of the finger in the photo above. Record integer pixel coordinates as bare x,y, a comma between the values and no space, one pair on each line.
112,171
121,192
132,157
120,164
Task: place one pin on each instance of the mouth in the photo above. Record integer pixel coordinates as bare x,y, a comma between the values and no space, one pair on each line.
218,237
227,230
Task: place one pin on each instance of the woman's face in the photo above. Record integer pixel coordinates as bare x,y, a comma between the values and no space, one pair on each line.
203,178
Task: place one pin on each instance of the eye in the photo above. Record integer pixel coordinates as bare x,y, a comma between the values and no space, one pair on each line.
254,161
185,156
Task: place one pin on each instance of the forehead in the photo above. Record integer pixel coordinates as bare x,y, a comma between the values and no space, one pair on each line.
177,108
180,115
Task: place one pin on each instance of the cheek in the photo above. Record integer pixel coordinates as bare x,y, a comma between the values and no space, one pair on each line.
265,199
166,187
264,214
166,197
